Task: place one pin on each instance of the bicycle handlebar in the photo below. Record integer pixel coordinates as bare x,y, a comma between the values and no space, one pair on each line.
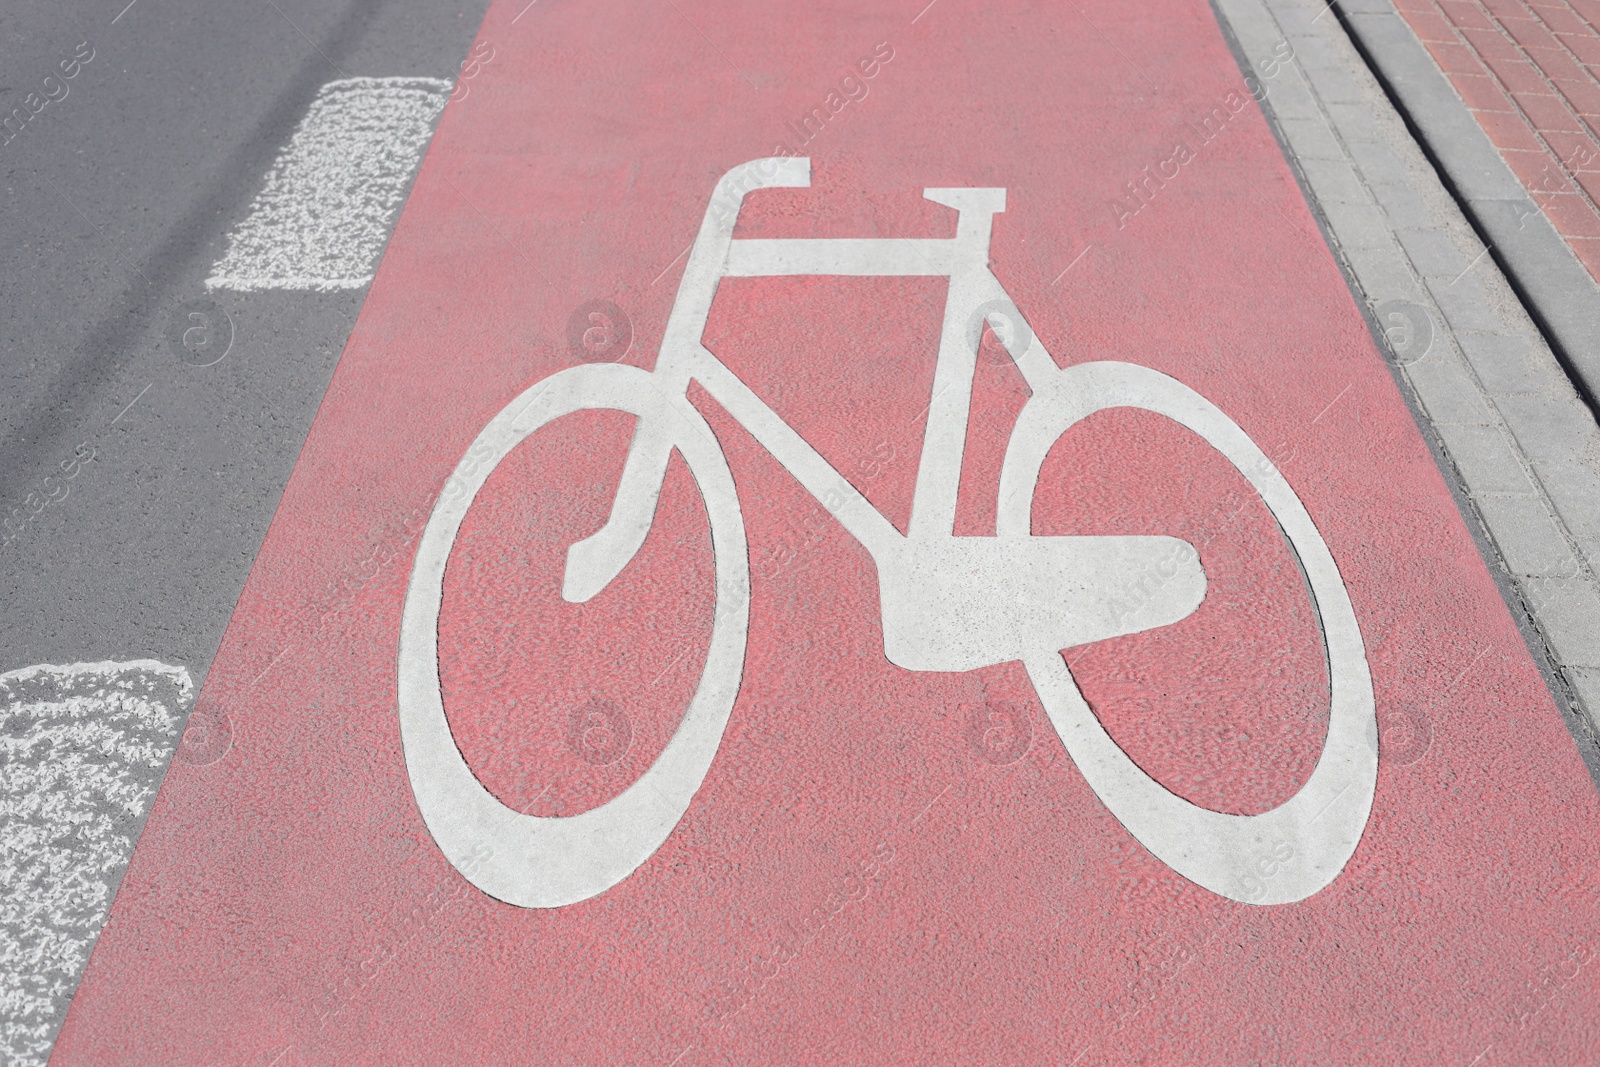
710,249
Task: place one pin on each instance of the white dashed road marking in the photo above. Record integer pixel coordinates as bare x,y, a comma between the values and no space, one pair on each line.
82,751
323,217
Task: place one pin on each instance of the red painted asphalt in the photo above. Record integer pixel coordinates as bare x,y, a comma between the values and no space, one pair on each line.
881,866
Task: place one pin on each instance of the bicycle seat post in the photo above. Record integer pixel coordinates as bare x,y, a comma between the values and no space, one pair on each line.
977,208
933,506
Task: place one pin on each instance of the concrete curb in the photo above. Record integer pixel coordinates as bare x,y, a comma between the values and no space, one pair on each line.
1558,291
1517,444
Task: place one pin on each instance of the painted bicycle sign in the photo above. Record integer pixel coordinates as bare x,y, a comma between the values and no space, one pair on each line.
948,603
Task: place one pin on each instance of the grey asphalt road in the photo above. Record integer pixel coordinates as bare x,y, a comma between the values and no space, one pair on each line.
118,197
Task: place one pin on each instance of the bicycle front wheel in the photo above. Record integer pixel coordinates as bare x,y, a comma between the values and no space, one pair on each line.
1276,857
550,862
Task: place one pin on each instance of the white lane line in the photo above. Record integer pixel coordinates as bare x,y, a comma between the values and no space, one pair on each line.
82,750
323,217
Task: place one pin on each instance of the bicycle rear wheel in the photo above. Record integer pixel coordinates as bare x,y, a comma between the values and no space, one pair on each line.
550,862
1276,857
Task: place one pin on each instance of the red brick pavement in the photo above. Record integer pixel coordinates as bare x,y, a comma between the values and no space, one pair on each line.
1530,71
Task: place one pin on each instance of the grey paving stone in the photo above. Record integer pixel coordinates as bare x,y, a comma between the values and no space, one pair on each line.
1350,114
1549,426
1300,19
1522,446
1433,253
1572,488
1500,362
1311,139
1290,100
1383,275
1485,461
1313,51
1399,200
1585,684
1588,542
1467,307
1335,180
1379,163
1359,223
1569,608
1555,283
1566,455
1313,56
1368,7
1446,390
1432,102
1527,535
1263,49
1312,72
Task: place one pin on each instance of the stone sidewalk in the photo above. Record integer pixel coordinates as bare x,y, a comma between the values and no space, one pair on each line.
1530,74
1518,442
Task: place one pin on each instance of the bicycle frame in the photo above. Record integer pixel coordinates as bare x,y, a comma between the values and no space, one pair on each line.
948,603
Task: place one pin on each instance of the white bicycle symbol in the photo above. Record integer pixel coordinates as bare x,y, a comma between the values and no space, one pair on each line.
949,603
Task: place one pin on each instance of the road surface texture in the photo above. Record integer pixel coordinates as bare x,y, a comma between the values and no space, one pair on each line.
956,533
136,484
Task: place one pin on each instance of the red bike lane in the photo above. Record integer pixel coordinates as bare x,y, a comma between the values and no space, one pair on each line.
881,865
